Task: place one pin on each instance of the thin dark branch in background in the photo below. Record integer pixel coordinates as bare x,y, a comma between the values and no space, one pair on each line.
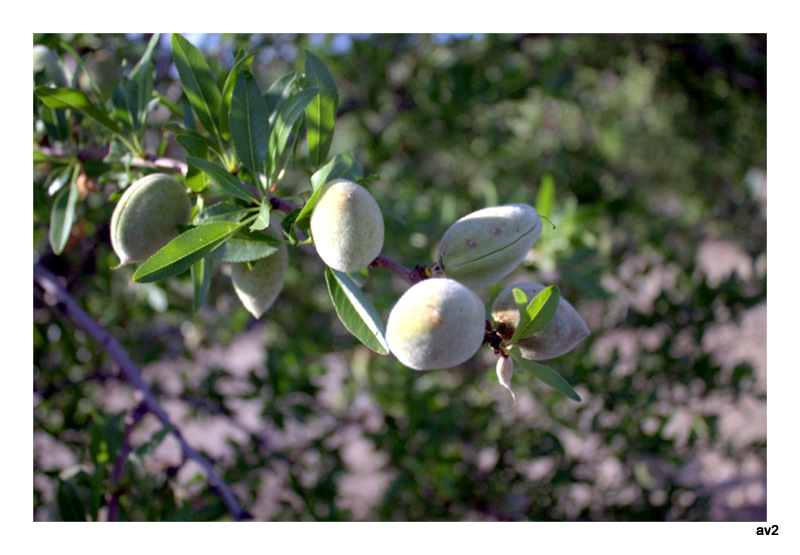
131,421
49,282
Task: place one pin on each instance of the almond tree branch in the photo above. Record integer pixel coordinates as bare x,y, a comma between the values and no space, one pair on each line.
49,282
412,276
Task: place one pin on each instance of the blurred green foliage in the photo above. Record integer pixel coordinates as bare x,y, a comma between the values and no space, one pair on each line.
654,146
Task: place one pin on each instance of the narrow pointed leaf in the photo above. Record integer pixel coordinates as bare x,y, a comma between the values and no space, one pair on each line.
227,89
178,130
201,280
321,111
545,195
249,124
223,178
62,216
59,179
540,312
286,119
145,63
262,220
522,306
74,99
356,311
181,253
246,246
124,98
198,83
225,211
196,180
278,93
545,374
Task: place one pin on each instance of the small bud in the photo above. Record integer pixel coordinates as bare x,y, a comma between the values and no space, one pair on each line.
505,368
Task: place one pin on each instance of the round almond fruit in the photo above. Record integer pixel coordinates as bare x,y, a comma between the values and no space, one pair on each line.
487,245
437,323
259,287
147,217
560,336
347,226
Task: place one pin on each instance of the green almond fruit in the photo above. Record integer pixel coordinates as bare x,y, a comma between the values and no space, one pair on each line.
437,323
560,336
487,245
258,287
347,226
147,217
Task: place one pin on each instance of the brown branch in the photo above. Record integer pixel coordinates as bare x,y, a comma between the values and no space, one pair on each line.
412,276
131,421
99,153
49,282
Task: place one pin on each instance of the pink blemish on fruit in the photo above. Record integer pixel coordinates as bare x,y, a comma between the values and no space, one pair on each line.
496,231
472,244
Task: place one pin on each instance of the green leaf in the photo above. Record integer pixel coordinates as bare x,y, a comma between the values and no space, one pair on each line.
55,122
223,178
62,215
59,179
188,117
40,157
198,83
70,505
180,131
181,253
522,307
201,281
81,69
545,374
356,311
539,312
545,195
74,99
249,124
145,63
225,211
227,89
286,119
125,99
246,246
262,221
278,93
196,180
321,112
287,225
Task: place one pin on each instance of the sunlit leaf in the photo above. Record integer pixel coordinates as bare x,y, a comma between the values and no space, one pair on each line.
198,83
74,99
181,253
249,124
356,311
62,215
321,111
